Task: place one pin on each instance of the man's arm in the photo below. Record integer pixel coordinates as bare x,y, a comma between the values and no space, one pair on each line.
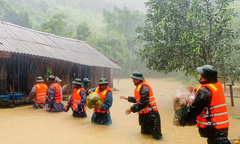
64,87
84,97
143,102
108,102
203,99
32,93
92,89
131,99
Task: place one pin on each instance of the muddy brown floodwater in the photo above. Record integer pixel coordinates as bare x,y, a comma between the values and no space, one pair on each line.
25,125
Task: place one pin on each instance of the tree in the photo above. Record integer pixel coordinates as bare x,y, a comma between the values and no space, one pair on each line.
113,45
83,31
124,21
183,35
8,14
55,25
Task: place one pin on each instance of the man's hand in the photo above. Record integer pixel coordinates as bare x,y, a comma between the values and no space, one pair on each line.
128,111
65,107
177,122
89,91
75,109
98,107
27,99
191,89
123,97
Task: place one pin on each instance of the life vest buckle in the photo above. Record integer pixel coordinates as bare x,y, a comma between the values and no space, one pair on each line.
214,124
211,108
209,123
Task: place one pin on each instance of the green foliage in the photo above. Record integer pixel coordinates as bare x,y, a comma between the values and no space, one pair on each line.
56,25
124,21
8,14
113,45
182,35
187,80
83,31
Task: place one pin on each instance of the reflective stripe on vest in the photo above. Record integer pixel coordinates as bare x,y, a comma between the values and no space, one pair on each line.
213,124
41,91
58,97
76,98
212,115
217,106
103,95
152,102
217,111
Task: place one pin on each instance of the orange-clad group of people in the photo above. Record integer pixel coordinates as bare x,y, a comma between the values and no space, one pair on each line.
145,104
209,108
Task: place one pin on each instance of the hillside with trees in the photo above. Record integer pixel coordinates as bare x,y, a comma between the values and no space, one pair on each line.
110,27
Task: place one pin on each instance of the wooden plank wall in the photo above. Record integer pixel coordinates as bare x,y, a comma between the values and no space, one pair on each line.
30,67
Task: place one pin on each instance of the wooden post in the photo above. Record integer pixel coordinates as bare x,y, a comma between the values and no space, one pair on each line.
231,95
67,87
13,87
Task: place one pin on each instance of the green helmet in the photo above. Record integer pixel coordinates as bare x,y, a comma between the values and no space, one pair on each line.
208,72
51,78
137,75
103,81
77,81
39,79
86,80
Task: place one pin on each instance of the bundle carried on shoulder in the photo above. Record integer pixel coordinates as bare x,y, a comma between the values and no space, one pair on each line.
93,100
181,101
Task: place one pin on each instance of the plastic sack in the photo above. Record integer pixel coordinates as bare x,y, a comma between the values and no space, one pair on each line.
181,101
93,100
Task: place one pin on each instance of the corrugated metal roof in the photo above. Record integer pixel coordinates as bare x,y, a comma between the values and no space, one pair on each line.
21,40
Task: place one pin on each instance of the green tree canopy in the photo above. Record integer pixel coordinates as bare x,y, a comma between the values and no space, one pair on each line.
183,35
56,25
8,14
124,21
83,31
113,45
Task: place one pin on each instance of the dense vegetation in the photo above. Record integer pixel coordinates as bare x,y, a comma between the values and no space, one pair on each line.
182,35
109,26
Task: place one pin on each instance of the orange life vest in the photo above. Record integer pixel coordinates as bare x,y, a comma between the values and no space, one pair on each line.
152,103
217,112
103,95
41,90
76,98
58,97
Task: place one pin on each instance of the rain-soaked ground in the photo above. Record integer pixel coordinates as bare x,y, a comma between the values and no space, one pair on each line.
25,125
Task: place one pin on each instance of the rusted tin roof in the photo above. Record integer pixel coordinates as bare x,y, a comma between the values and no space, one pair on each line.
17,39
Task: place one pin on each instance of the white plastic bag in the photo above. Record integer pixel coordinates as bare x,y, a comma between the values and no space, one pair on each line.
181,100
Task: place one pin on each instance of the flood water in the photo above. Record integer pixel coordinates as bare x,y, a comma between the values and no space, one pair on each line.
25,125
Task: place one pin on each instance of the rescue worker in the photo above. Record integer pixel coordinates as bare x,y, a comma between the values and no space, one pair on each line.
149,118
101,114
85,83
78,100
39,93
209,108
54,96
62,88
